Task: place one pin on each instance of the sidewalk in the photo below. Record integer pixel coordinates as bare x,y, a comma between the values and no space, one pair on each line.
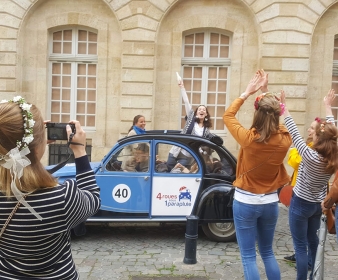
124,252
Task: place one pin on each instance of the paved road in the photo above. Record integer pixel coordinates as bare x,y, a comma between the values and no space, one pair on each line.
133,252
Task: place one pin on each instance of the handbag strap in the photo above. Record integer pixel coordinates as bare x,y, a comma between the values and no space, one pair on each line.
10,217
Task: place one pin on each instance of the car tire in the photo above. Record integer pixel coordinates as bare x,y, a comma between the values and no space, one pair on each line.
220,232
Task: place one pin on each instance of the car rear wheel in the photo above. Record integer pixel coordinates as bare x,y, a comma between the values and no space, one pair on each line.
220,232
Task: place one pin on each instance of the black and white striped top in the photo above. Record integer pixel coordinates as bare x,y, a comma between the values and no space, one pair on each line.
312,179
33,249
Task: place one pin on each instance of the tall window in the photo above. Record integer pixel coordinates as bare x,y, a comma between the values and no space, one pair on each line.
205,66
73,68
335,78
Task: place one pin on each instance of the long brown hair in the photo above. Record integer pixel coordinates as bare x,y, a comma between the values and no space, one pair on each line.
326,144
207,121
35,176
266,117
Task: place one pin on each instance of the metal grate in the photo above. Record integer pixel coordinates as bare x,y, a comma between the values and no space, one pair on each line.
59,153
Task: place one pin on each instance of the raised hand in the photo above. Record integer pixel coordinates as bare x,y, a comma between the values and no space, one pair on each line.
264,80
330,96
254,85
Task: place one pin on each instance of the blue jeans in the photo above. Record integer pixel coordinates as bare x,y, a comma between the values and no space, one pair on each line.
256,222
304,220
181,158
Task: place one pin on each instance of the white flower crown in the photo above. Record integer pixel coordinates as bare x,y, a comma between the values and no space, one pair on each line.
28,121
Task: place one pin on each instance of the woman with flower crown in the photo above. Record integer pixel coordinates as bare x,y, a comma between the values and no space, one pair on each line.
260,172
318,164
37,213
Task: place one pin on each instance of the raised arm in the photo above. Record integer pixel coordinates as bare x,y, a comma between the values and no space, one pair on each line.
328,100
185,98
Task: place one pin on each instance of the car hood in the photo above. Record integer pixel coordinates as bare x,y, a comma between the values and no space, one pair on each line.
69,170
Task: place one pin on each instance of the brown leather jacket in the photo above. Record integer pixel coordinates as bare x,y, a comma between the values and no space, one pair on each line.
332,196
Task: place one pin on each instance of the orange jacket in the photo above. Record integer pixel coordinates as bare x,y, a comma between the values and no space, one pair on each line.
260,167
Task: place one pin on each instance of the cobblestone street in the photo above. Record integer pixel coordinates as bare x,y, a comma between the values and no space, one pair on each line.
129,252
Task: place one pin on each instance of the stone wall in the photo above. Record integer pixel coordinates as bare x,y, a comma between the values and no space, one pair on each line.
140,51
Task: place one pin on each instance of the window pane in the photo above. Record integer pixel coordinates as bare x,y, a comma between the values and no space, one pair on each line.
56,47
189,39
81,69
92,48
187,85
224,52
196,98
211,110
81,108
56,81
223,73
66,94
92,37
82,35
221,98
197,85
197,72
81,119
91,95
90,121
199,38
82,48
212,86
81,82
211,98
91,108
65,118
219,124
66,68
67,47
188,51
212,73
198,51
55,94
225,40
213,51
222,86
66,81
65,107
220,110
187,72
55,118
55,107
81,94
56,68
57,36
214,38
92,69
91,82
67,35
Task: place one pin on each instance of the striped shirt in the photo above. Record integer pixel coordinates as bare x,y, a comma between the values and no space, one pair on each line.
312,178
33,249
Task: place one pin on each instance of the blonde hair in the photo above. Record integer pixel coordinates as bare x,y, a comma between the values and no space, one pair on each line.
35,176
266,117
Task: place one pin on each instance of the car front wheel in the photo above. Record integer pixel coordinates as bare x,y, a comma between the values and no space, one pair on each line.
220,232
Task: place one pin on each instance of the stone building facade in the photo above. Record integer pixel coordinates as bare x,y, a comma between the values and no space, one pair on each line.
105,61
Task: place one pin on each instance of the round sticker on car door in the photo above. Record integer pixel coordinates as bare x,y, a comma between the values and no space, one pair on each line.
121,193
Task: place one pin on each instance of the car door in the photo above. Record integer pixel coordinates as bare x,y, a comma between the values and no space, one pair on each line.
124,179
174,190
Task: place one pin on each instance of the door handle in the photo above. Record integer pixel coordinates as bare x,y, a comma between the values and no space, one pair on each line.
146,178
198,179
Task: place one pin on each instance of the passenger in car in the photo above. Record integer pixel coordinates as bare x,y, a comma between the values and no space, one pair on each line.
179,168
139,161
197,123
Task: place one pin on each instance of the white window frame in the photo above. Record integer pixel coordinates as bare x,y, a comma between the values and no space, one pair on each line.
205,62
74,59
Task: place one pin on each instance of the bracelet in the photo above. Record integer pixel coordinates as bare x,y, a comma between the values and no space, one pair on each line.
244,96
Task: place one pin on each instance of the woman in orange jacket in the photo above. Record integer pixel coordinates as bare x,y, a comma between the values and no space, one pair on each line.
260,172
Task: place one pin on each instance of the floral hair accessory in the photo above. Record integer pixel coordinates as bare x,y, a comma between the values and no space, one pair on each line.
259,98
317,120
28,121
322,127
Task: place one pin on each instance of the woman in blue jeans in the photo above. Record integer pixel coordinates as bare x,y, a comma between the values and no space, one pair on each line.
260,172
317,165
